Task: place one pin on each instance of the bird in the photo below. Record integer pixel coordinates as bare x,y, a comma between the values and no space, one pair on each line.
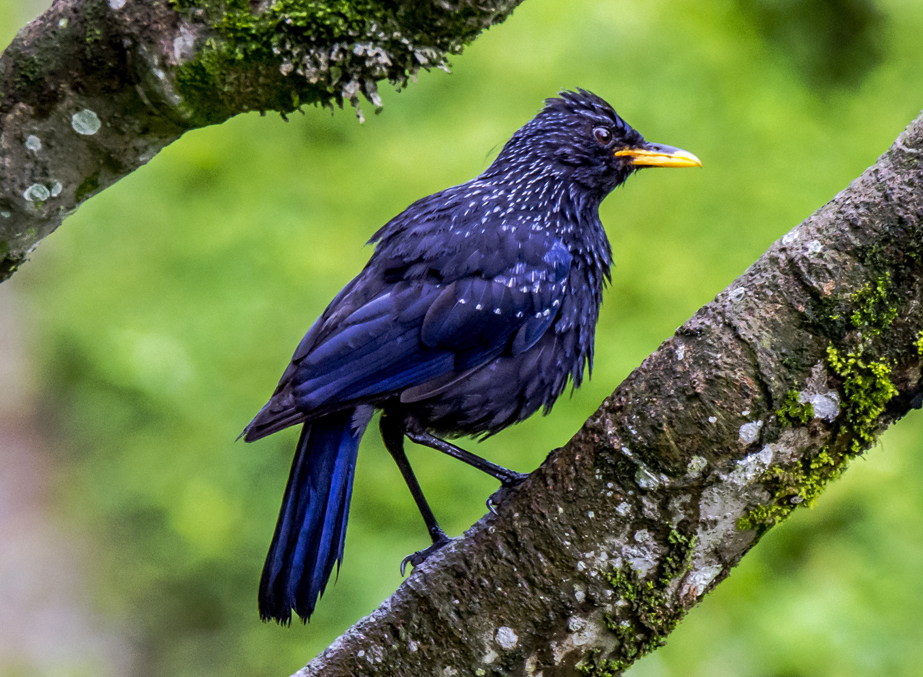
478,305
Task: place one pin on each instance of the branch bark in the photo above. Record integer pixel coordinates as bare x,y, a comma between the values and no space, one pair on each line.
755,403
93,89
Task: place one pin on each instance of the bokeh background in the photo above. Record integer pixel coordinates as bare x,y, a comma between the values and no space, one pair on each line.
146,332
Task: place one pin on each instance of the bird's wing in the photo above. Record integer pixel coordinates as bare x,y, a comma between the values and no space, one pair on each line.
399,325
418,330
479,318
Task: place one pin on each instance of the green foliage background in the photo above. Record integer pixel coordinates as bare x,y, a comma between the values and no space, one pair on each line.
167,307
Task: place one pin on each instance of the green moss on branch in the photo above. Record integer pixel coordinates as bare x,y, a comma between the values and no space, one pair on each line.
295,52
873,306
648,616
866,389
793,411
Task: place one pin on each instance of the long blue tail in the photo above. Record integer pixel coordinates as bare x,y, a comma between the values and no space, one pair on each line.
312,522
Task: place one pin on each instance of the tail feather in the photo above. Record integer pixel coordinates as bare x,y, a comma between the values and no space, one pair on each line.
311,529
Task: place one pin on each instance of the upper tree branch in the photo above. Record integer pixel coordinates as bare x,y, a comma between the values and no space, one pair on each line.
93,89
747,412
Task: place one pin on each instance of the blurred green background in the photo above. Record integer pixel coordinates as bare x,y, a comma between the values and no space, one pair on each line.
162,313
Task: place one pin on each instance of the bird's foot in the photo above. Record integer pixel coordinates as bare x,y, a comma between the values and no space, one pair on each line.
513,481
417,558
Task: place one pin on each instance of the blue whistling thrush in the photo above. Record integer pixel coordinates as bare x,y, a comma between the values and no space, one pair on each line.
477,306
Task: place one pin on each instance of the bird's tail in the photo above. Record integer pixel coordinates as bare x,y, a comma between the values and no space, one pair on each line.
312,522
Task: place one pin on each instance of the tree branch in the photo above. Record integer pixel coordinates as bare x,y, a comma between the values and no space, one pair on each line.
94,89
755,403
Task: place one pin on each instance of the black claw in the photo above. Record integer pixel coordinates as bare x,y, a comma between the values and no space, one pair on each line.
417,558
510,483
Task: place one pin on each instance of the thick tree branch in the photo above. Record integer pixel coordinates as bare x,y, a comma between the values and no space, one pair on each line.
745,413
93,89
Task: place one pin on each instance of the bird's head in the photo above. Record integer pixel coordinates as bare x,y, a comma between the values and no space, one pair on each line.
579,135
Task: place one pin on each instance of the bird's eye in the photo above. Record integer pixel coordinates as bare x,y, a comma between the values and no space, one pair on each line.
603,135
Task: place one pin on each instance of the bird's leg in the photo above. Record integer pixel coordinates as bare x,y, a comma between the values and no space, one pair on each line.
508,478
392,433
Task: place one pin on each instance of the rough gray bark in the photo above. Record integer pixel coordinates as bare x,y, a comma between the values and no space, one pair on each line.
746,412
93,89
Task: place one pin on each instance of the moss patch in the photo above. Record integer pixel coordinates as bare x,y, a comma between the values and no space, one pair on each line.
648,617
283,55
794,412
873,306
594,665
866,389
87,187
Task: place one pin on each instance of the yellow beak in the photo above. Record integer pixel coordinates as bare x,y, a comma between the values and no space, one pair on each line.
659,155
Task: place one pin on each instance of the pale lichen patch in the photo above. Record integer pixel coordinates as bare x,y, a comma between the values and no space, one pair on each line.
643,555
646,479
576,624
506,637
85,122
33,143
749,432
698,581
579,592
826,405
750,468
184,45
589,634
36,193
696,465
791,236
826,401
